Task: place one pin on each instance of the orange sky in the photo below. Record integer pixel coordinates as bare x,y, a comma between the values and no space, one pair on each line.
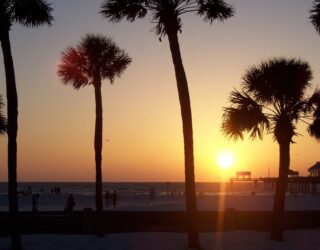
141,110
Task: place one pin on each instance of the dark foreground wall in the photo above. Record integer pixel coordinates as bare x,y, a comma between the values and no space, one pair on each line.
83,222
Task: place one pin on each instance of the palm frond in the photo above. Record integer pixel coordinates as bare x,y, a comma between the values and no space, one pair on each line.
315,15
278,81
313,107
104,56
296,110
313,104
165,14
215,9
116,10
314,129
244,116
6,12
116,66
32,13
3,121
73,68
231,123
94,57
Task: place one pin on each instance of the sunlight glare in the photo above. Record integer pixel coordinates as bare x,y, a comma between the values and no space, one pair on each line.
225,159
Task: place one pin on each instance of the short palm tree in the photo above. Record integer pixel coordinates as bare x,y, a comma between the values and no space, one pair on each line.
166,14
29,13
3,122
315,15
92,60
273,98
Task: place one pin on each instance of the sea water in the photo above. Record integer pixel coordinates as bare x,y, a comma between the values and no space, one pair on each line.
130,188
132,195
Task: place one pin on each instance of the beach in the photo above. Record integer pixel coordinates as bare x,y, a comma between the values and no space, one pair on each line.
241,202
234,240
213,196
179,129
245,201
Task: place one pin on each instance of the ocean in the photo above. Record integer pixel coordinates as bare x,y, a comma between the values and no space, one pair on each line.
130,188
169,196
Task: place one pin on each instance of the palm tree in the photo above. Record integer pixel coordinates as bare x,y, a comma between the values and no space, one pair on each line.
315,15
166,14
29,13
92,60
273,98
3,122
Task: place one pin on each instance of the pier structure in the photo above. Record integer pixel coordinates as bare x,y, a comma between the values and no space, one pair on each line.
244,176
296,184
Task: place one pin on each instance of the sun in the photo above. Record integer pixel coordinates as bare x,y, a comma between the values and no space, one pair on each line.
225,159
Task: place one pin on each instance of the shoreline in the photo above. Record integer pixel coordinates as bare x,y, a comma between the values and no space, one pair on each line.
240,202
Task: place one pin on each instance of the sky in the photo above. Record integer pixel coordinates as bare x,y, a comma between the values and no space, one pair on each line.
142,132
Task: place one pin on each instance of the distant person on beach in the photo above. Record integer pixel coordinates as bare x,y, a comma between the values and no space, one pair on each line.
107,197
114,198
152,194
55,190
35,202
70,203
29,190
168,188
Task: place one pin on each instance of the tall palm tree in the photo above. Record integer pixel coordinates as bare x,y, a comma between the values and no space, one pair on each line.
92,60
315,15
29,13
273,98
166,14
3,122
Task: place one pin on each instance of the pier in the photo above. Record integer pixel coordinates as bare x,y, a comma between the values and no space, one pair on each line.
296,184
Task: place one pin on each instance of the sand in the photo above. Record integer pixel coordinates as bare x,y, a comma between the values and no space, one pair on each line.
235,240
244,240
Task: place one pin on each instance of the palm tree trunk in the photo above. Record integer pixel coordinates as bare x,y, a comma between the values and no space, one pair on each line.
280,195
184,98
98,157
12,106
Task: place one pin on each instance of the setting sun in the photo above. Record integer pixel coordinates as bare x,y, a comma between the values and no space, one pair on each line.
225,159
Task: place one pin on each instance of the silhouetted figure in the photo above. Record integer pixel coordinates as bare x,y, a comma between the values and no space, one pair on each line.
107,197
168,188
114,198
56,190
29,190
35,202
152,194
201,194
70,203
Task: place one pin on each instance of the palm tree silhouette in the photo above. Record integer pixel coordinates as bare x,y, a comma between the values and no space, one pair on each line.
92,60
273,98
3,122
166,14
315,15
29,13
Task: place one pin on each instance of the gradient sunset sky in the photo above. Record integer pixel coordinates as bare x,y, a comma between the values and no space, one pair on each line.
142,122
